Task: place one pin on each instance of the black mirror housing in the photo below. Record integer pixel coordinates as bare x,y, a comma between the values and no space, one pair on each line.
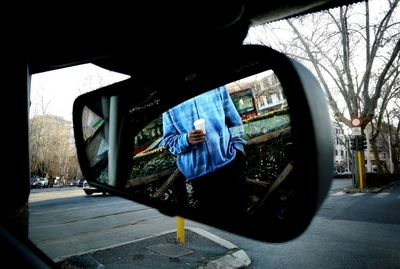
285,188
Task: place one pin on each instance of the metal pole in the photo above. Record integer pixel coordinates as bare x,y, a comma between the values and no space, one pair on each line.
360,170
113,141
180,230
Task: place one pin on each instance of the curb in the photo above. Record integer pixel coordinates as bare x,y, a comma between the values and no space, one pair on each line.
238,259
372,190
235,258
376,190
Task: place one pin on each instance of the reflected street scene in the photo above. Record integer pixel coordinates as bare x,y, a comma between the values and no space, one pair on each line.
265,127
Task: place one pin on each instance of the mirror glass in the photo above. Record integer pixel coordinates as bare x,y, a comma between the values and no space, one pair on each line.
240,160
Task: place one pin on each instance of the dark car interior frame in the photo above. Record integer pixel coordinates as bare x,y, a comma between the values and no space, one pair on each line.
115,37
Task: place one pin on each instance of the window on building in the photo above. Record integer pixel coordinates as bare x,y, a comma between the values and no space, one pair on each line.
269,99
263,101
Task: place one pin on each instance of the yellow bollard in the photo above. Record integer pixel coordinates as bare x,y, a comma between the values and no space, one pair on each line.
180,230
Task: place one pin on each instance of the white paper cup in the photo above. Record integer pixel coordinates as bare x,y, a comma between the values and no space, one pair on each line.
200,124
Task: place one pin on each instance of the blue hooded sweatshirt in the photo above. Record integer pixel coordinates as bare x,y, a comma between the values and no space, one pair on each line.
224,132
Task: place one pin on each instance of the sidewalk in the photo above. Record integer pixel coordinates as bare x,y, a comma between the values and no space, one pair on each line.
346,185
341,183
202,250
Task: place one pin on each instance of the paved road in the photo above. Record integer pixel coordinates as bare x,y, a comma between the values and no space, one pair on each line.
359,230
77,223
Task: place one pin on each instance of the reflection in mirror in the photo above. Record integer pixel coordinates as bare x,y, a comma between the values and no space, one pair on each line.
241,160
91,122
94,136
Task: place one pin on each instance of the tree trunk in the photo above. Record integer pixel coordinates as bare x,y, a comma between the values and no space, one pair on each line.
376,156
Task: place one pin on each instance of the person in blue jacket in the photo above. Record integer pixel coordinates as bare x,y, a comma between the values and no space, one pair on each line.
211,161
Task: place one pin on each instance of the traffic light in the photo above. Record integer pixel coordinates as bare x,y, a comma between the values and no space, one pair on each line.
362,143
358,143
353,143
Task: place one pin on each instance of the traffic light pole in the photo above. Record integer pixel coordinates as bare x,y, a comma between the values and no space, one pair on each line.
360,169
358,144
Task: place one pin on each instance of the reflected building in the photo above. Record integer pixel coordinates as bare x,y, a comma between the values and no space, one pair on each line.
257,95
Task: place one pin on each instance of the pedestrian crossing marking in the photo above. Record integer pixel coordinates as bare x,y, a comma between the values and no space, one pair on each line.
358,194
377,195
338,193
381,195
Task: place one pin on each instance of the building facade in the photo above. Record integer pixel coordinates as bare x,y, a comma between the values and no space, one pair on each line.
342,155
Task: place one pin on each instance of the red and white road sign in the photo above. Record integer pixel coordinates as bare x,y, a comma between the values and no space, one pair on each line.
356,122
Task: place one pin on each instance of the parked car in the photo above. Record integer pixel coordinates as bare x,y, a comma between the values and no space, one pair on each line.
44,182
39,182
89,189
35,183
81,181
342,174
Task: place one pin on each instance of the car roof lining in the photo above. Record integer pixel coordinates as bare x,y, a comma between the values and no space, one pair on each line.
92,36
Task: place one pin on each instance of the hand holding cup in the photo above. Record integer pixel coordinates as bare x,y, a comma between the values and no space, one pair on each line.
198,135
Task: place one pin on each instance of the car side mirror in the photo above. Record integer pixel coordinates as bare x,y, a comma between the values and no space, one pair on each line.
120,134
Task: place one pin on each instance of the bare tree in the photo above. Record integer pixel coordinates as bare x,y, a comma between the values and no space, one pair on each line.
354,54
392,139
36,134
52,147
55,154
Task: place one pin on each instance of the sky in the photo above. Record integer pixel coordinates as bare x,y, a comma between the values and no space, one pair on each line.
54,92
272,33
